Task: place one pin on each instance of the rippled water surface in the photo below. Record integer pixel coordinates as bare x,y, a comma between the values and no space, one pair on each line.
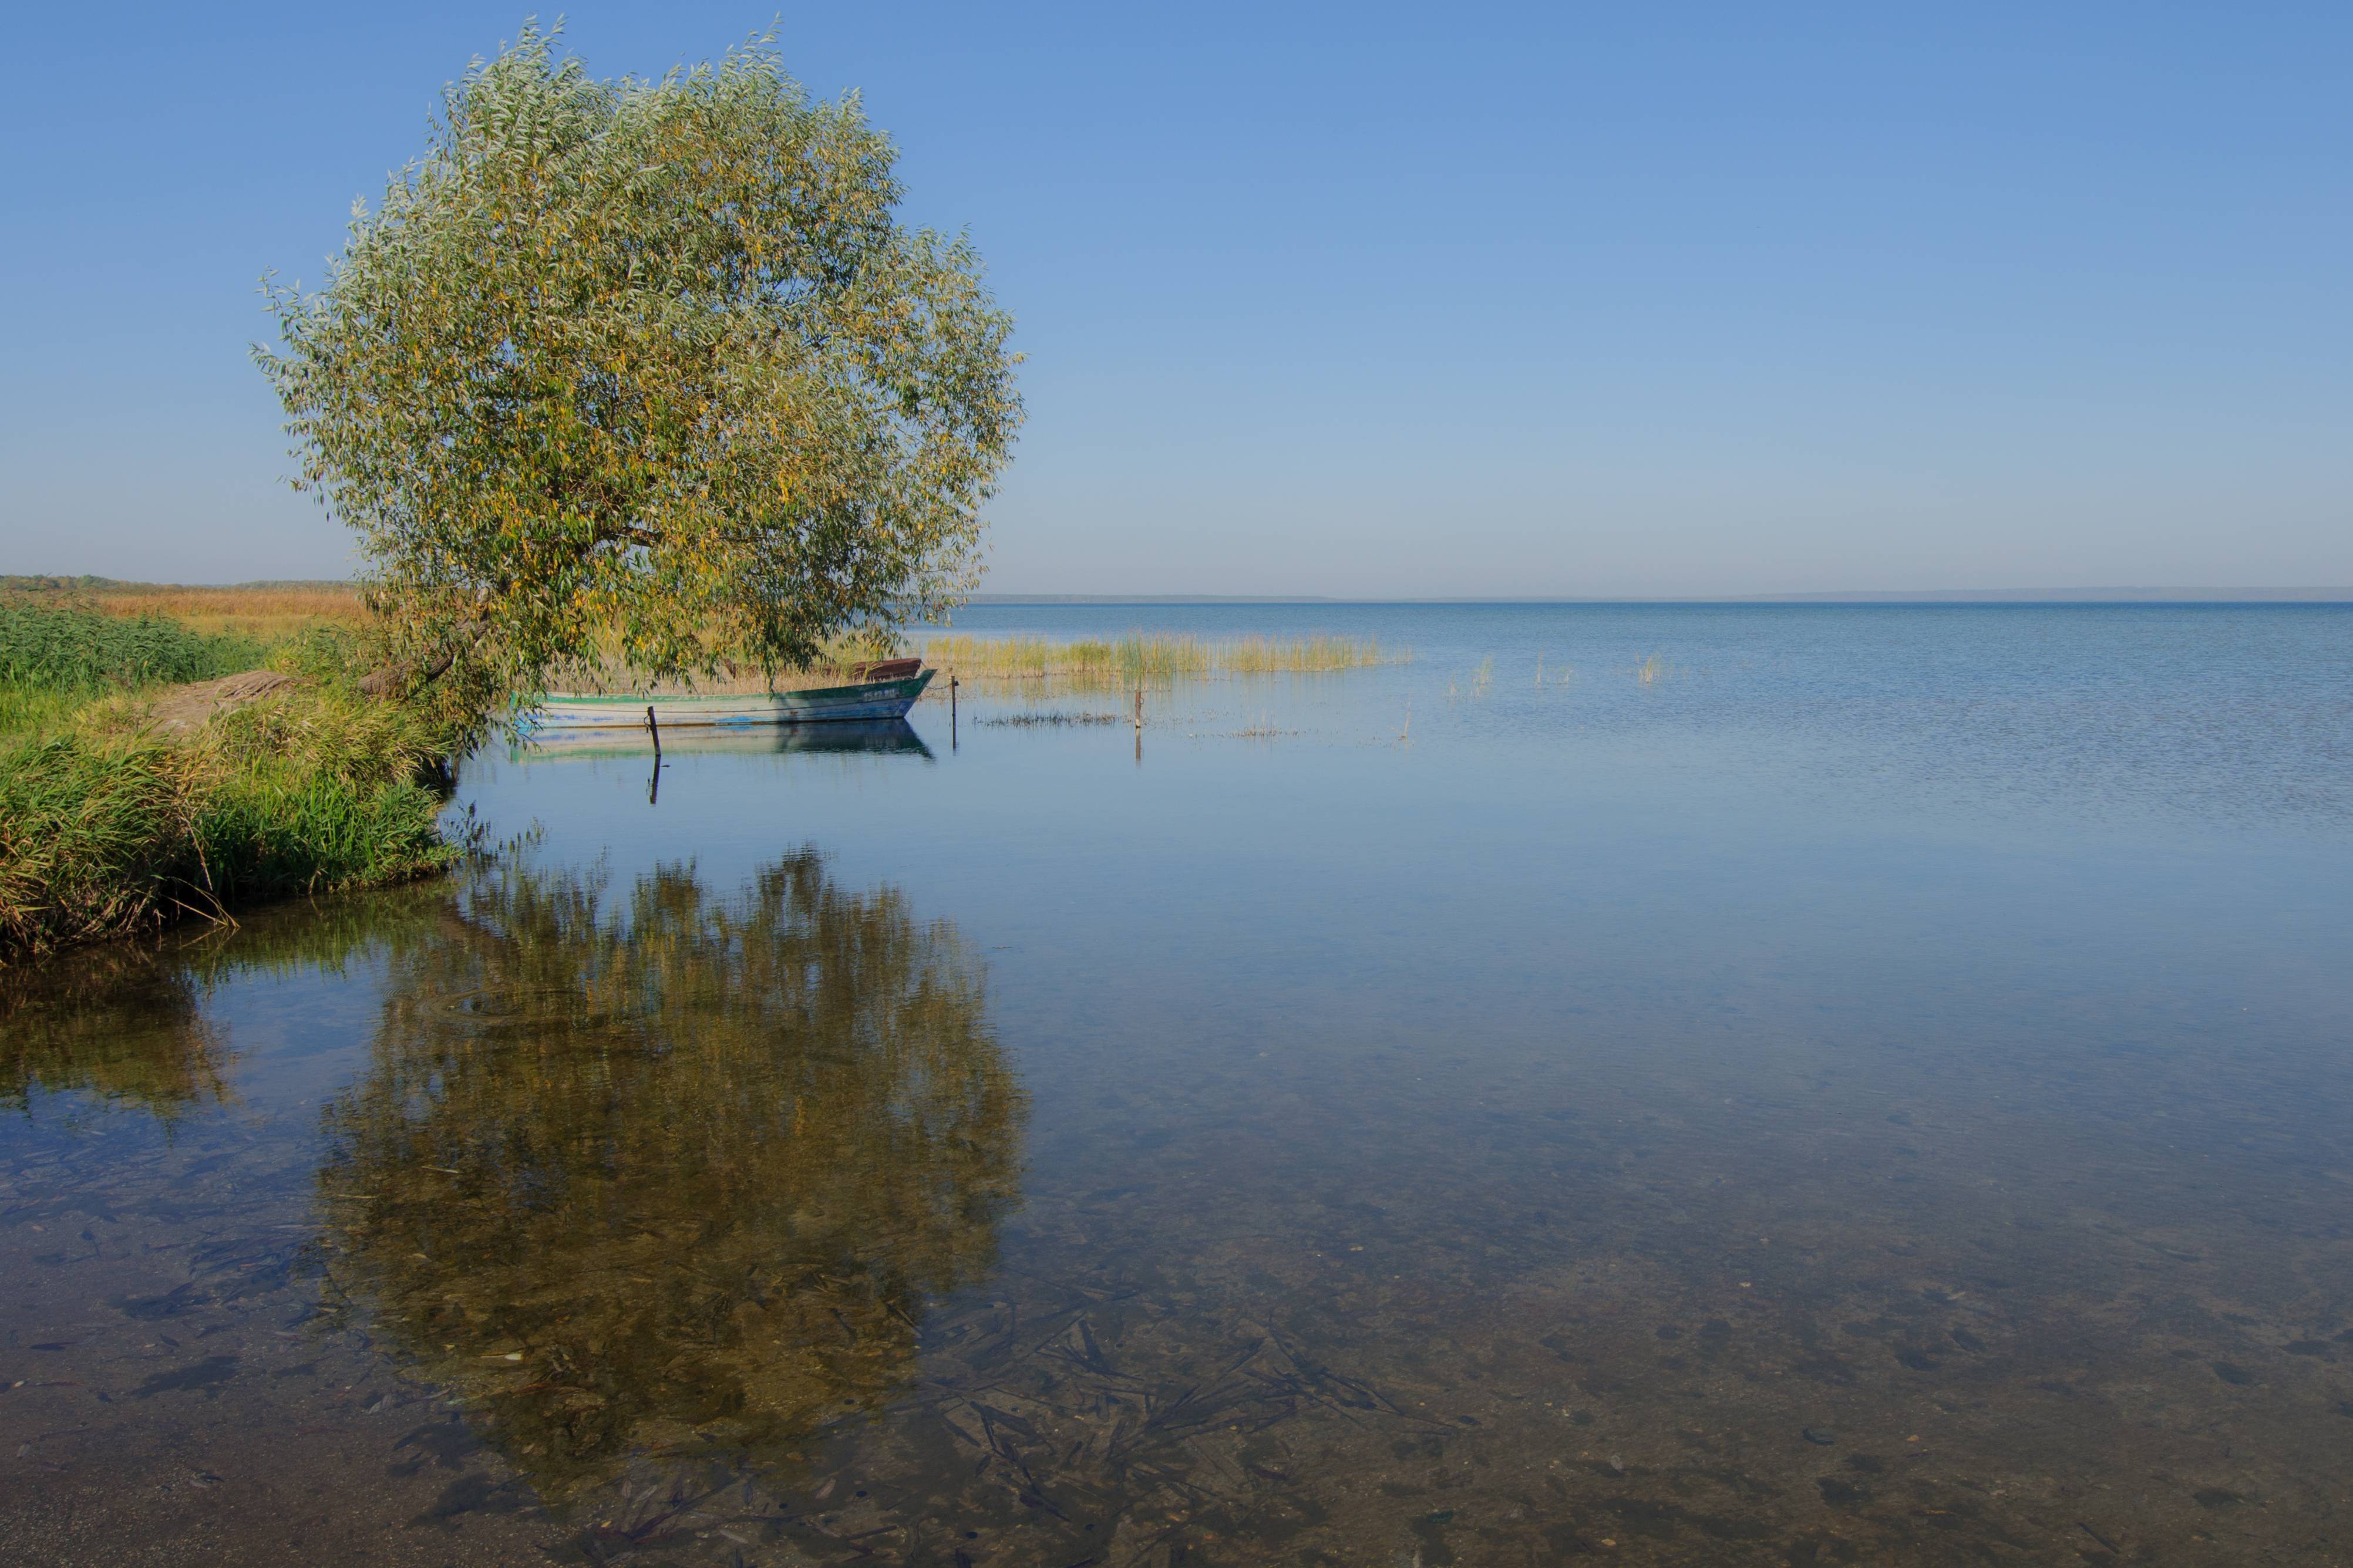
1777,1085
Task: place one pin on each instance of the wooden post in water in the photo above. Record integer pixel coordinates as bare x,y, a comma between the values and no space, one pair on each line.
653,780
952,710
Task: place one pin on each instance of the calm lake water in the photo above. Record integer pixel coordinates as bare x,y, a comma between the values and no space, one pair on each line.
1764,1085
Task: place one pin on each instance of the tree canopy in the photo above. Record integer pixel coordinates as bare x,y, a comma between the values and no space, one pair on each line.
647,372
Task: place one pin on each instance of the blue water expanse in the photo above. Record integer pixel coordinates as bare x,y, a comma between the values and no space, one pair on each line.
1765,1083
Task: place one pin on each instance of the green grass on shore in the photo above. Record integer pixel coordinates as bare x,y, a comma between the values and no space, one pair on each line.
108,826
69,651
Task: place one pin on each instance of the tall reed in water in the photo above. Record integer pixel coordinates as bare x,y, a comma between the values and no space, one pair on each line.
1155,656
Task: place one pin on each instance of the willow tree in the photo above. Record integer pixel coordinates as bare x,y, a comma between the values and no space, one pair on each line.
648,370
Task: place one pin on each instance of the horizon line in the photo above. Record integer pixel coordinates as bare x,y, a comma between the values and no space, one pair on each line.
1853,595
2083,594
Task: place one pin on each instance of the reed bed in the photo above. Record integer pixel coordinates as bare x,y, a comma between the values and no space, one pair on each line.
63,650
263,612
1149,657
266,613
1087,662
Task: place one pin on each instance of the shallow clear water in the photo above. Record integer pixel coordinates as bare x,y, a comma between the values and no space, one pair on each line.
1867,1084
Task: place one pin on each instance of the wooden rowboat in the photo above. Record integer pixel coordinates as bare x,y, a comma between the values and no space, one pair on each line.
889,697
885,669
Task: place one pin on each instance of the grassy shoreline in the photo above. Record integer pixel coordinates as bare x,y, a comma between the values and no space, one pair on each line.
113,820
128,800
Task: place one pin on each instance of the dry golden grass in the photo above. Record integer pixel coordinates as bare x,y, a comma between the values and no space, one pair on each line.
267,613
264,612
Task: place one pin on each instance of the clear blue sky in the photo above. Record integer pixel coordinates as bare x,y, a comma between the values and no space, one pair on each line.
1357,300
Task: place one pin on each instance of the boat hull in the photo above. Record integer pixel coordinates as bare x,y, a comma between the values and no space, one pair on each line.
562,712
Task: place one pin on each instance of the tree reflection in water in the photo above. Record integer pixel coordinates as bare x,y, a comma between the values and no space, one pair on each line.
114,1023
667,1172
130,1022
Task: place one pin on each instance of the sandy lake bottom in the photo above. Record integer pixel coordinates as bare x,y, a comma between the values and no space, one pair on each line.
1651,1084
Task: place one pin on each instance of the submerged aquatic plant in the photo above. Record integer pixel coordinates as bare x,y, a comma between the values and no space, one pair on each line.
1048,721
1266,728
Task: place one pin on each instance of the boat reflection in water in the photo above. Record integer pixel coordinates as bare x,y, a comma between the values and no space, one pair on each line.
649,1169
870,737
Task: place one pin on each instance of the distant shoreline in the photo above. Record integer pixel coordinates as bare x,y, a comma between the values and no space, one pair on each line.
2337,596
1859,596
